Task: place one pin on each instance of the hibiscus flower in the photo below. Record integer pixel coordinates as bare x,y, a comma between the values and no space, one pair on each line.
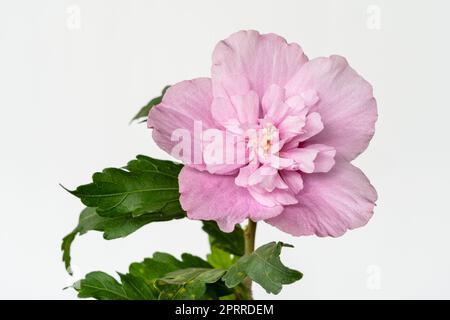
309,119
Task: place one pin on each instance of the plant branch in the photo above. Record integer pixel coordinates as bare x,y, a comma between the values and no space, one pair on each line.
249,235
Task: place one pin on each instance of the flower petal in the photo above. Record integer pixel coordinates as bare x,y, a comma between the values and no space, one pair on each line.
223,111
329,204
303,158
266,178
206,196
312,158
263,59
247,107
277,197
346,104
245,173
313,125
223,152
230,85
291,126
293,179
324,160
183,104
273,104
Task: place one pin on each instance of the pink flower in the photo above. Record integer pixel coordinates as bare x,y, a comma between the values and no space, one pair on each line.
301,122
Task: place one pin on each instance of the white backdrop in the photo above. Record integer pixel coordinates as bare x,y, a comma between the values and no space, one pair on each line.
72,74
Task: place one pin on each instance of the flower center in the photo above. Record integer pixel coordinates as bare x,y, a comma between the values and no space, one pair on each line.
268,134
263,142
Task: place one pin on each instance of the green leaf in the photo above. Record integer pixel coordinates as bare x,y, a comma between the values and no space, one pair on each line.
136,288
160,277
184,276
112,228
264,267
65,247
188,278
146,164
163,263
146,185
188,283
221,259
143,113
226,248
102,286
190,260
191,291
232,242
156,267
120,201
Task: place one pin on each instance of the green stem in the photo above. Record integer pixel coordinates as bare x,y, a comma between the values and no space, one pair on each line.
249,235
